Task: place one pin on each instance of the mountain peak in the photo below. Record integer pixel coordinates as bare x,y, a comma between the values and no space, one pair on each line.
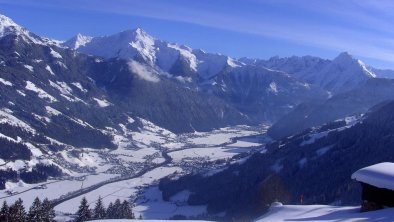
8,26
140,31
345,59
137,33
140,35
5,21
78,41
344,56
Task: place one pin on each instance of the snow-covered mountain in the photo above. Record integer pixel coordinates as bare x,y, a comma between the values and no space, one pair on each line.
63,111
260,93
55,103
263,94
9,27
77,41
339,75
169,57
299,67
342,74
353,102
383,73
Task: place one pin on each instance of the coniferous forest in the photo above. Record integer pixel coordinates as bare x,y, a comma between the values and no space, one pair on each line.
42,211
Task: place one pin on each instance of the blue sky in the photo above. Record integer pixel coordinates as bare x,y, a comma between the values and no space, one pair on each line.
252,28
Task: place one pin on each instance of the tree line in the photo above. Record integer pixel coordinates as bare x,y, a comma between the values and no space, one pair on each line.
116,210
38,212
43,211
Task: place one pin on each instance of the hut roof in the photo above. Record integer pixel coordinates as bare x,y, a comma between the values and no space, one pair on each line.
380,175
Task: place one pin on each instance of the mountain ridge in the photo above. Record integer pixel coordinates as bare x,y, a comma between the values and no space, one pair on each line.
338,75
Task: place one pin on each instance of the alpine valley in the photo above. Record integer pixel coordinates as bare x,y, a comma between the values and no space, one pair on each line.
180,132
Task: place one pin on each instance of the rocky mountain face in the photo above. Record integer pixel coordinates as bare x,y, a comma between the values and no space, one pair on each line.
383,73
262,90
316,164
135,87
354,102
259,93
263,94
175,59
342,74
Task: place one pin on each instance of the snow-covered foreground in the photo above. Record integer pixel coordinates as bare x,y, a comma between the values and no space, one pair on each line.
151,205
125,220
325,213
312,213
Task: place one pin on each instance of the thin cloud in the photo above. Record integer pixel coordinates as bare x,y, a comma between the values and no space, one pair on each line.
364,44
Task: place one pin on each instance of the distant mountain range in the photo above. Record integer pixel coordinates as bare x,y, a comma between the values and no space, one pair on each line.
262,90
339,75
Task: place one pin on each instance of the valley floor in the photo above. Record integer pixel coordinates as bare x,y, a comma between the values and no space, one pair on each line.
132,171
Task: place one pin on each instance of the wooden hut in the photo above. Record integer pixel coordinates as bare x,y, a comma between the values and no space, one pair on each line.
377,183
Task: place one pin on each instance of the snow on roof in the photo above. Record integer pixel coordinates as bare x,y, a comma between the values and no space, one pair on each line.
379,175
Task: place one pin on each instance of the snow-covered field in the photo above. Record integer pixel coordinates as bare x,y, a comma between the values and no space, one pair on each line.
315,213
51,189
221,136
125,220
151,205
137,151
325,213
211,153
215,145
122,190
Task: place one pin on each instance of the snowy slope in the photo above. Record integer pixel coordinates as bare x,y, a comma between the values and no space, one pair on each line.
126,220
77,41
211,64
139,45
325,213
264,94
341,74
310,213
9,27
